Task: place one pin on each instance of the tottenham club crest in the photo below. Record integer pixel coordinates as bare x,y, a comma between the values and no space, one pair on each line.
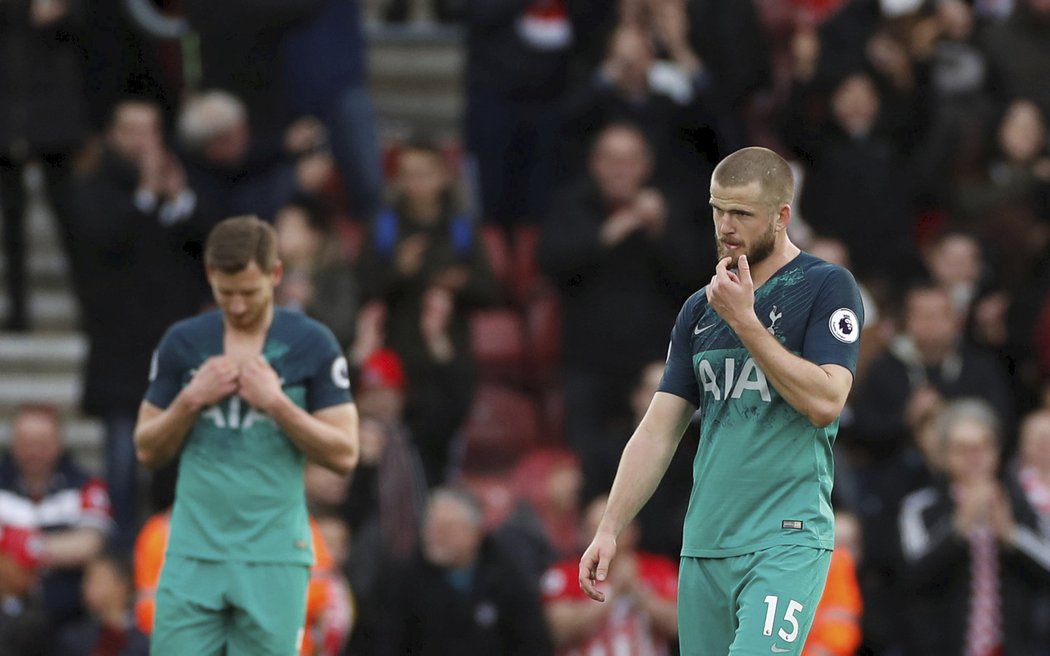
844,325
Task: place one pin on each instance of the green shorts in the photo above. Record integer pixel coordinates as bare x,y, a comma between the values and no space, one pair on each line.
208,608
758,603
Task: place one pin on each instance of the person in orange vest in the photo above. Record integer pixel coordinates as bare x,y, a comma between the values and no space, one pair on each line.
836,628
329,604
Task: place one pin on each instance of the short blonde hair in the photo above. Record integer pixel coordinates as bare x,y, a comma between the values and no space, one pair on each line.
761,165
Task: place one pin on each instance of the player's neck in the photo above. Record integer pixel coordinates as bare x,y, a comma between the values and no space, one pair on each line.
782,253
253,331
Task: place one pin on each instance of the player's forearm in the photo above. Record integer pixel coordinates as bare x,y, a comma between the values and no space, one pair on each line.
332,444
803,384
159,435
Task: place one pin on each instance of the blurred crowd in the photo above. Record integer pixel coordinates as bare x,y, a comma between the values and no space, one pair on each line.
505,296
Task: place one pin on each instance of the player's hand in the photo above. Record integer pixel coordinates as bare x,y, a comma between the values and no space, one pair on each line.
594,566
216,379
732,294
260,384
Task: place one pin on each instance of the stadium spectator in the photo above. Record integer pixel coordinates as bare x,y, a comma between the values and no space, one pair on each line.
927,364
837,625
1033,476
542,526
1006,201
109,629
43,490
1018,51
672,101
616,239
640,613
324,76
318,278
43,118
24,626
139,229
516,68
422,257
233,171
846,142
973,548
460,594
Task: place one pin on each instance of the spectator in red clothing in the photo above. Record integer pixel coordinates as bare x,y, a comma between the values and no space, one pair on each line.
640,615
43,490
23,624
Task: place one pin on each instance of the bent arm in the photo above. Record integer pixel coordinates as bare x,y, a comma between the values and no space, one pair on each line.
571,621
327,437
645,459
73,547
662,612
817,391
159,433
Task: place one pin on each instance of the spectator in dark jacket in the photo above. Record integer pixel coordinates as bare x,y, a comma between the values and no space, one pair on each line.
616,240
43,117
461,595
974,552
423,258
517,62
139,228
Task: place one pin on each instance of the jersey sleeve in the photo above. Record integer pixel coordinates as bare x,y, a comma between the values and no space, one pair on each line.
329,381
833,333
165,372
679,378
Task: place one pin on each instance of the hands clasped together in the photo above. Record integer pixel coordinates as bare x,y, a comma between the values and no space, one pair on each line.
254,380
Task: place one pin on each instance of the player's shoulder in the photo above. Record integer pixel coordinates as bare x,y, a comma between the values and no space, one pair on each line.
822,272
205,324
300,329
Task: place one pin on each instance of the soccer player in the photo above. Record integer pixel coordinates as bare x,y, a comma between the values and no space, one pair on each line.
242,395
767,352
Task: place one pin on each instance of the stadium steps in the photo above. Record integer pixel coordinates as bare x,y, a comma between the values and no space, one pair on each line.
415,78
44,365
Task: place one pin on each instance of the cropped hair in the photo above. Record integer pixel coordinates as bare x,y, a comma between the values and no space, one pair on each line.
761,165
234,243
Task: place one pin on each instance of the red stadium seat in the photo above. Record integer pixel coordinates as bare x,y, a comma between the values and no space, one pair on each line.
543,321
494,242
525,277
498,344
503,423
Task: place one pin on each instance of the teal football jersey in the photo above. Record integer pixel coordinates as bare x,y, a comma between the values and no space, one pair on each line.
240,494
763,473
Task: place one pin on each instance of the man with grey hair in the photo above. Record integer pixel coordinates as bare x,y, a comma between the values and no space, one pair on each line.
461,594
236,173
974,556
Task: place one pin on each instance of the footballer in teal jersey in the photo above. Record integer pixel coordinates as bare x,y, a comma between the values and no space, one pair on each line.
766,352
242,396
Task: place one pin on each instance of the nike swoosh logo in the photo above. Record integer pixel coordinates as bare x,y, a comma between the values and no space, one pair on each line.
698,329
778,650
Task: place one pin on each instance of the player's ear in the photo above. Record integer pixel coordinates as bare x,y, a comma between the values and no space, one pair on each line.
277,272
784,216
209,273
